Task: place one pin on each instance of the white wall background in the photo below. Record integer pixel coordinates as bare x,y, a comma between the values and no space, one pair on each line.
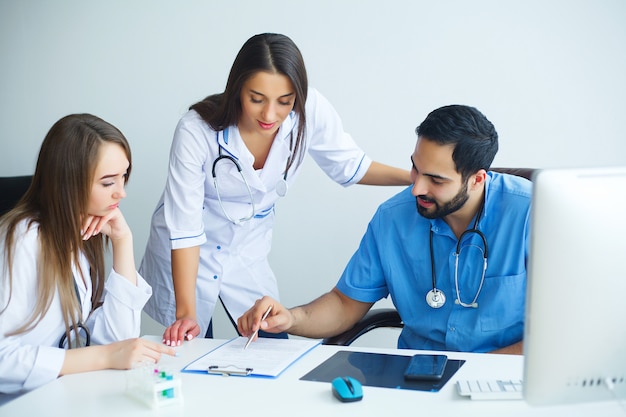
550,74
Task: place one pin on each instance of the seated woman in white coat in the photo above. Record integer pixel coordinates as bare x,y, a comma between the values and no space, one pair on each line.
233,156
58,313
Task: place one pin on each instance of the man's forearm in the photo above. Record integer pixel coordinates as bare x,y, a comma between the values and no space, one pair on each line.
328,315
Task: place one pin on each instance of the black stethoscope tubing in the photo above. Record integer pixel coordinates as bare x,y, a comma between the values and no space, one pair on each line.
281,186
435,298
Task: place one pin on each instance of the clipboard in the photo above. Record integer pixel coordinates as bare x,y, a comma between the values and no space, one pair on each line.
229,370
377,370
265,357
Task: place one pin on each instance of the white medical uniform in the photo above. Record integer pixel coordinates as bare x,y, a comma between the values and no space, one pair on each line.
233,257
31,359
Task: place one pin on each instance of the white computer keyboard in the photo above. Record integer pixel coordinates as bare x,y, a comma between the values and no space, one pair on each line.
494,389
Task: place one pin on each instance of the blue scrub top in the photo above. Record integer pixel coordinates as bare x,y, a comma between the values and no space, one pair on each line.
394,259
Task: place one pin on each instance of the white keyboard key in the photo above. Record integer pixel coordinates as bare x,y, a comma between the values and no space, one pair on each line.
495,389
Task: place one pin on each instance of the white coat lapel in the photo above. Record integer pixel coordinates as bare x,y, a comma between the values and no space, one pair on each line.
280,152
233,144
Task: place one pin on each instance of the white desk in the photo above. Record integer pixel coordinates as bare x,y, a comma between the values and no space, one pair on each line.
102,393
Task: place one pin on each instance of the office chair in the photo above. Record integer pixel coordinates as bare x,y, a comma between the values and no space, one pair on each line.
11,190
389,317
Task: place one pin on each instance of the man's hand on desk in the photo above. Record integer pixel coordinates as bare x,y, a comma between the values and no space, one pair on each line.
280,319
327,315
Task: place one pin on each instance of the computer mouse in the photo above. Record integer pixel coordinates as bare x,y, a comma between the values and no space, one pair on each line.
347,389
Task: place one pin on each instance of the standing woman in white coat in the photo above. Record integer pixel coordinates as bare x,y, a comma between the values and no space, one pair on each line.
54,299
233,155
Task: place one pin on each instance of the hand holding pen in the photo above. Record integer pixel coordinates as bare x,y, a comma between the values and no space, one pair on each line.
254,334
261,317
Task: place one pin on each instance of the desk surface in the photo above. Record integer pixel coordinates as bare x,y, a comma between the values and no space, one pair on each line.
103,393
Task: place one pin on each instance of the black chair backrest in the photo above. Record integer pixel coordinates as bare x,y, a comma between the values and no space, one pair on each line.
11,190
520,172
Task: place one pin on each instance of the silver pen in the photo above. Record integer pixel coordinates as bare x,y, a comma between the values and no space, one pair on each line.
253,335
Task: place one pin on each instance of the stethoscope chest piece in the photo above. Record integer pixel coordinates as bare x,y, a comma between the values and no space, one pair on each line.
435,298
282,187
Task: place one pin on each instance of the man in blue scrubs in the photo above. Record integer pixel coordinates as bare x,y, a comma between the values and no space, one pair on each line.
451,251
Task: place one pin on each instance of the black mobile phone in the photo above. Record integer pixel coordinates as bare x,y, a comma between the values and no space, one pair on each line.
426,367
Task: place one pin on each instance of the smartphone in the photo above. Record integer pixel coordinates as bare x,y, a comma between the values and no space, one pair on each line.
426,367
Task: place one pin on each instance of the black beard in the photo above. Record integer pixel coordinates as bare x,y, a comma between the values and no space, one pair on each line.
449,207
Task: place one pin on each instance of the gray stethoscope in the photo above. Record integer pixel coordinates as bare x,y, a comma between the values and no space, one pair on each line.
281,186
435,297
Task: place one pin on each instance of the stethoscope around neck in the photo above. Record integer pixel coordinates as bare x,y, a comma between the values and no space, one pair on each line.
77,336
281,186
435,298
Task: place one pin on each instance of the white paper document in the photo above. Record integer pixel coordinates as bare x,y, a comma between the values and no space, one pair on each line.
264,357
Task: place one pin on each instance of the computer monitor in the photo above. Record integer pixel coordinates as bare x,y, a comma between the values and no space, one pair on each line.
575,332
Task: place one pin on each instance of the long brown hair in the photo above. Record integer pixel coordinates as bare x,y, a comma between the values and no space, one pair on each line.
55,202
269,52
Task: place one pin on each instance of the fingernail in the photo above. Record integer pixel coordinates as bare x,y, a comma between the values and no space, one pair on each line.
178,343
189,336
167,342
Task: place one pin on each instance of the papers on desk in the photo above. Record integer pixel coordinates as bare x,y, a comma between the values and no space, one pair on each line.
264,357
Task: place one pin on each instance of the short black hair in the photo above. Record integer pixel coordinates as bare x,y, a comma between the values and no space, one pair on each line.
474,137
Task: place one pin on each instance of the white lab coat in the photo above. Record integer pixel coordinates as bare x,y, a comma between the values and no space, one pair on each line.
31,359
233,258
